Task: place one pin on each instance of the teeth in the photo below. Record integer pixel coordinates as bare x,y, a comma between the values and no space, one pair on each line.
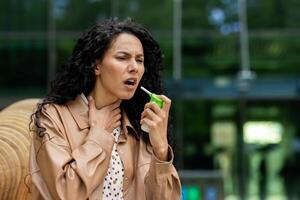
130,82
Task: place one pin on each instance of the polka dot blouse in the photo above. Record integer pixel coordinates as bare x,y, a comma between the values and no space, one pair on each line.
113,181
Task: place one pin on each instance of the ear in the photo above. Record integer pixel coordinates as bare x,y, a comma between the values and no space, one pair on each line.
97,69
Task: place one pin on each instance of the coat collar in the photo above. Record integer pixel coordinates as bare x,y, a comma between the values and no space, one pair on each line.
79,110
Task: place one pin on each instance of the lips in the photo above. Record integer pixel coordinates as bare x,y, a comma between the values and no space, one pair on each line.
130,81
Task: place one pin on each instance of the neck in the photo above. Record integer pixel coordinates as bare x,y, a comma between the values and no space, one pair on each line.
101,97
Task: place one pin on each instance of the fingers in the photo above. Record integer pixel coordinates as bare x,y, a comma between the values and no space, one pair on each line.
114,122
117,119
153,111
148,113
167,102
91,103
115,105
107,117
92,109
116,112
154,107
148,122
153,115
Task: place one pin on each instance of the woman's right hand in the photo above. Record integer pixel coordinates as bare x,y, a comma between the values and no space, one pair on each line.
108,117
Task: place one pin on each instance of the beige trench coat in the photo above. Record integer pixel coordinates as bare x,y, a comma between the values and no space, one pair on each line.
70,161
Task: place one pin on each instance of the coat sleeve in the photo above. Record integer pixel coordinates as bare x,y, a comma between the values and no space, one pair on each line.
72,174
162,181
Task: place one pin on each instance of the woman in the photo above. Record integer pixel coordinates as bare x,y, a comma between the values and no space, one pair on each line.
89,142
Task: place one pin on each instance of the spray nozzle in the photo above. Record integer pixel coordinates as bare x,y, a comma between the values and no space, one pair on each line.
154,98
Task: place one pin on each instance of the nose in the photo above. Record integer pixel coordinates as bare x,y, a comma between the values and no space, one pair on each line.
133,67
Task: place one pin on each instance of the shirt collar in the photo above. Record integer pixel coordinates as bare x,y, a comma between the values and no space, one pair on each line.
79,110
127,126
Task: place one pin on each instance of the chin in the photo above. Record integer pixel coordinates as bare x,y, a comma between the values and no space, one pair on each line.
126,96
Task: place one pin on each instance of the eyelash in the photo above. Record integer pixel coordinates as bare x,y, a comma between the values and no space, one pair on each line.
124,58
121,58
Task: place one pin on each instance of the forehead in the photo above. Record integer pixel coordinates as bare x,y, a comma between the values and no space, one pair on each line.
126,42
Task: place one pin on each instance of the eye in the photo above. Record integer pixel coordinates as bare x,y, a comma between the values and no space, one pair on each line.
140,60
121,57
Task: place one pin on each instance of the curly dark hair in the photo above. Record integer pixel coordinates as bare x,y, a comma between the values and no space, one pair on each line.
78,75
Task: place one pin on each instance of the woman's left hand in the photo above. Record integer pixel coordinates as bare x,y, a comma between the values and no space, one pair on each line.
157,120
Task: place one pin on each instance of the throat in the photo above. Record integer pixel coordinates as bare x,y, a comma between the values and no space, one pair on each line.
102,100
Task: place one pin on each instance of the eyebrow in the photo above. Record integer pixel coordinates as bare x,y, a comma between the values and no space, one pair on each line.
127,53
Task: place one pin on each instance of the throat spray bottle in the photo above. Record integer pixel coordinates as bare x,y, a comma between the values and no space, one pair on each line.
153,99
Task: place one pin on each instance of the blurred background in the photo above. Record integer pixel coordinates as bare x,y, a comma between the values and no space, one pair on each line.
232,71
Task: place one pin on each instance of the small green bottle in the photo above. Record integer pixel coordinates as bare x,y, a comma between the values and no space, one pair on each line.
154,99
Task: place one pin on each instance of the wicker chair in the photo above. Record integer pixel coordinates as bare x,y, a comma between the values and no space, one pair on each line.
15,140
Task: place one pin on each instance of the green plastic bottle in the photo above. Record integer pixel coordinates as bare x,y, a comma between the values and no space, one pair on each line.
154,99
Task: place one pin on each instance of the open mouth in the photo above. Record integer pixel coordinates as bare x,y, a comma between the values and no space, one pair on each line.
130,82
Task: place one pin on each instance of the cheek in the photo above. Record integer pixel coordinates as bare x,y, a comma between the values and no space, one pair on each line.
108,79
111,73
141,72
